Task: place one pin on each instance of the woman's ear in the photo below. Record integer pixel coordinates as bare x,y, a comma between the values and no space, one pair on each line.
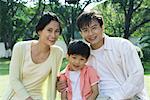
39,32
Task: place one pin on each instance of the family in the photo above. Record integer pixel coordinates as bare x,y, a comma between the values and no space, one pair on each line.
101,68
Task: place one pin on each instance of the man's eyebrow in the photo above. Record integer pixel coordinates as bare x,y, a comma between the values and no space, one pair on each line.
84,28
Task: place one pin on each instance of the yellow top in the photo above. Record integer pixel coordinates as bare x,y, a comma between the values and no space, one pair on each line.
30,79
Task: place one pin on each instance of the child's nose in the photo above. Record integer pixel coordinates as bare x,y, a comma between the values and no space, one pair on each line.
77,62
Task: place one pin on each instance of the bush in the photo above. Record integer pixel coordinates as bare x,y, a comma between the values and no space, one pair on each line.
146,53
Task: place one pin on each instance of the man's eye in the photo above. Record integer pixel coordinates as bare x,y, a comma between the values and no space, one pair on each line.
84,30
93,28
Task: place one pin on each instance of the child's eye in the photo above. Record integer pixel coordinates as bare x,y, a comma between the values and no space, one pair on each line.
74,57
82,59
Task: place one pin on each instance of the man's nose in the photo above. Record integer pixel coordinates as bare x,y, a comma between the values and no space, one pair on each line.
90,32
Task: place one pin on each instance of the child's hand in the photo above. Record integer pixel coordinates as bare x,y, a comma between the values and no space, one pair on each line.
61,84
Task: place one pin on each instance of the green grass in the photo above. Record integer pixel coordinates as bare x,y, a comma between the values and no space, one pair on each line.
4,66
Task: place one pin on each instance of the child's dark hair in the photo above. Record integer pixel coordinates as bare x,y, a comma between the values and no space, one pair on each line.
46,19
79,48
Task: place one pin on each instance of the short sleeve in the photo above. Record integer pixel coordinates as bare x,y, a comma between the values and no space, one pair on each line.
94,78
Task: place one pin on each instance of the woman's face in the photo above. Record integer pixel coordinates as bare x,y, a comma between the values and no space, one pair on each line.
50,33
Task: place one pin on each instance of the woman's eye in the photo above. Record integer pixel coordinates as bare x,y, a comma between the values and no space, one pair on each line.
49,30
57,31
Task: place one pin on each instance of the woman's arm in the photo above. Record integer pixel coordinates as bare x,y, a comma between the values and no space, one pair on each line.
14,71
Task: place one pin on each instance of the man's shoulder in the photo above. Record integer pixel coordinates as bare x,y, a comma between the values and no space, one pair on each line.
119,40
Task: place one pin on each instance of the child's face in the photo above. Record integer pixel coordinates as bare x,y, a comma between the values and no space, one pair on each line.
76,62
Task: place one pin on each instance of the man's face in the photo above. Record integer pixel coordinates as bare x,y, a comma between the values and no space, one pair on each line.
92,33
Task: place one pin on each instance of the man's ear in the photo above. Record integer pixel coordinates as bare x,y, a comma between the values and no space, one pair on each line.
81,34
103,28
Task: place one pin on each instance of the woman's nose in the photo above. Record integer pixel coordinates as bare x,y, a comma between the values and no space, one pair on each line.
53,34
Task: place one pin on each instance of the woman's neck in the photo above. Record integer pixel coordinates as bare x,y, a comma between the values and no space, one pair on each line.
41,48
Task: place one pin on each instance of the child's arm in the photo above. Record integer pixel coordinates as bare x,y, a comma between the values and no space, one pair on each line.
95,92
64,95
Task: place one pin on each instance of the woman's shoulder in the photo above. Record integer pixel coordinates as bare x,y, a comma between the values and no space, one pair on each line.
56,48
23,42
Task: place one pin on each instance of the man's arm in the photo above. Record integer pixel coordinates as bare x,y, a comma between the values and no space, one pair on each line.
135,80
134,73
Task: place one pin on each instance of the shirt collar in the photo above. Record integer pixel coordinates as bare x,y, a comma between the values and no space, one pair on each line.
107,44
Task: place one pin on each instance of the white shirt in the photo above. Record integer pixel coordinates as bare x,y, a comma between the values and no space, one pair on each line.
122,60
107,81
75,85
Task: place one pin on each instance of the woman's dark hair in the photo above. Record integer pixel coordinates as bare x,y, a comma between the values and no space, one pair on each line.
46,19
78,48
85,18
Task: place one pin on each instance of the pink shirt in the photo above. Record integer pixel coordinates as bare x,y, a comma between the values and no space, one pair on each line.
88,78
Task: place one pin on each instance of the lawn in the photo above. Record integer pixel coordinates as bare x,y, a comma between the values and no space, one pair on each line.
4,63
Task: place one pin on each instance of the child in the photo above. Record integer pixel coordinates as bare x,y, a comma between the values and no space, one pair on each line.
82,80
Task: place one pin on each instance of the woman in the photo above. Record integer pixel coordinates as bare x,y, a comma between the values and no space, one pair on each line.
34,61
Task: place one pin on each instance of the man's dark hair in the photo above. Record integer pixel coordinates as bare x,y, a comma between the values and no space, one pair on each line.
79,48
85,18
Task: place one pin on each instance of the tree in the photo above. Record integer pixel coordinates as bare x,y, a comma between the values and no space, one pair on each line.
136,14
125,16
8,9
113,19
18,21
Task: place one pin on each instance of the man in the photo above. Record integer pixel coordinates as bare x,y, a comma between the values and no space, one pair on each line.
115,59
